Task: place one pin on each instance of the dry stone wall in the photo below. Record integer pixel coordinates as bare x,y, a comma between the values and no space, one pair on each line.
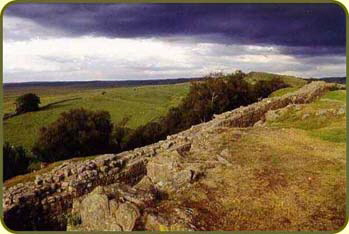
43,204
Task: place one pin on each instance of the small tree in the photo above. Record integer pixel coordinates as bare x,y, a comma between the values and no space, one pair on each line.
15,160
78,132
27,102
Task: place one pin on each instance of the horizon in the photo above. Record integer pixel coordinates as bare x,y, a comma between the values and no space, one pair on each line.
152,79
113,42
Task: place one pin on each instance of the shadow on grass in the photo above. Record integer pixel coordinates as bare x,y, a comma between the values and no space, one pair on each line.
46,107
55,104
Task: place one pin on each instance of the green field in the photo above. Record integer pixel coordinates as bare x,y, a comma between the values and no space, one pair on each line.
324,118
143,104
293,81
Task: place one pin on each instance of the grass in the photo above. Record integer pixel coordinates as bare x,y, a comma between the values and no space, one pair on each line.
338,95
320,118
293,81
143,104
278,179
283,91
290,175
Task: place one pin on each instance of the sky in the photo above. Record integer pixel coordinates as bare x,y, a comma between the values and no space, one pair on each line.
80,42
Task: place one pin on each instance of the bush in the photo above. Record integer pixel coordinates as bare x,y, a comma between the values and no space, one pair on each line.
120,135
78,132
27,103
15,160
263,88
216,94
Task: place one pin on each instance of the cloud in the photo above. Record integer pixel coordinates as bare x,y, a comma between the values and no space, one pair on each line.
290,25
101,58
20,29
147,41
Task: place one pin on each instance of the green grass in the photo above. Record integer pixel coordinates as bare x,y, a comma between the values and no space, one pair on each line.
283,91
338,95
328,126
293,81
143,104
330,134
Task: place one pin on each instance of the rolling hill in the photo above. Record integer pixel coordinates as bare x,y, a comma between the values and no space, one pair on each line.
142,102
278,164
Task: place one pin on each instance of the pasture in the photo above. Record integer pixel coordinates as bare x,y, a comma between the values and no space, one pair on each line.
142,104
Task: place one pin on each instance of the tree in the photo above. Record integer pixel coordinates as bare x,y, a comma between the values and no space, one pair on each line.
27,103
15,160
263,88
78,132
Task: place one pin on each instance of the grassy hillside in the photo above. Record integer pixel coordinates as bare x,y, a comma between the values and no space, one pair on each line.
289,174
293,81
141,103
324,119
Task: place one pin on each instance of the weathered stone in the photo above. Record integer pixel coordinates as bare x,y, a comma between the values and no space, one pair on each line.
93,209
54,186
67,172
158,172
126,216
104,169
64,184
182,178
341,111
113,171
51,199
38,180
184,149
305,116
167,144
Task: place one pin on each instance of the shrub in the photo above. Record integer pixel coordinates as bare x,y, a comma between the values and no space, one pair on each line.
15,160
120,135
263,88
216,94
27,103
78,132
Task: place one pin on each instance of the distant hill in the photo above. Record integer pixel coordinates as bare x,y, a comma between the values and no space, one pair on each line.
99,84
340,80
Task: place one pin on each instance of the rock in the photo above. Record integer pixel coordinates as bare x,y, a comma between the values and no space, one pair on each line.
94,208
225,153
305,116
167,144
113,171
298,107
38,180
182,178
51,199
98,212
183,150
126,216
341,111
223,161
145,184
159,172
271,115
104,169
259,123
67,172
159,223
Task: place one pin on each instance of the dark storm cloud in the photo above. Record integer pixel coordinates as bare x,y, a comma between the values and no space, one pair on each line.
319,28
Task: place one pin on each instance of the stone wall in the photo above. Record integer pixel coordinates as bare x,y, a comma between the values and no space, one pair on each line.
43,204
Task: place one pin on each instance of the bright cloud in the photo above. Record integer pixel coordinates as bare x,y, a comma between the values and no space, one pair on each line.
48,57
